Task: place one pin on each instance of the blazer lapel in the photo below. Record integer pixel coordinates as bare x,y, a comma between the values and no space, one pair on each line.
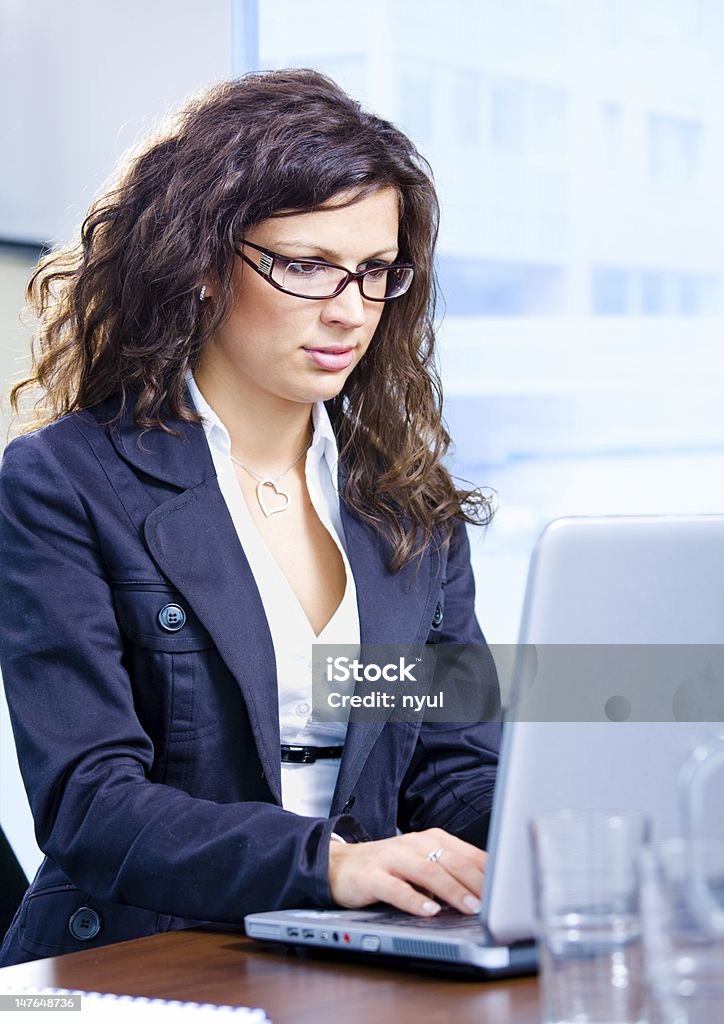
392,609
194,541
192,538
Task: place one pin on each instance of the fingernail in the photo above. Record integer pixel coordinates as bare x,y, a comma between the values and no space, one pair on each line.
430,907
472,904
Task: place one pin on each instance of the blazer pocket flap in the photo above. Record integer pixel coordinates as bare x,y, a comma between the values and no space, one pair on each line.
158,618
60,919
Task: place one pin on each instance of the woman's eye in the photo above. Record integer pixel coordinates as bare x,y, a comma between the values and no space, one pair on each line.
376,273
306,269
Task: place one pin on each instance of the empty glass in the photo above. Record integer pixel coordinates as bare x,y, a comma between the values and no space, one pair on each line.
682,883
587,906
682,893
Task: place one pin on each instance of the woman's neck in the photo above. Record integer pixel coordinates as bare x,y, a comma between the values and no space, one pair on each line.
267,433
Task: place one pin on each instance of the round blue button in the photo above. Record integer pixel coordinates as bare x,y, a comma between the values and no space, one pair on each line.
84,924
172,618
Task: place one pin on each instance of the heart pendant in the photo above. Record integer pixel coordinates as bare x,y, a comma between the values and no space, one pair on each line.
278,491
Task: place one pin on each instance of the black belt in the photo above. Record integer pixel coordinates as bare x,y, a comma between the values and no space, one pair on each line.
292,754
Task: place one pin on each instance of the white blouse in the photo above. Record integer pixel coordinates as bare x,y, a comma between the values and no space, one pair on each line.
306,788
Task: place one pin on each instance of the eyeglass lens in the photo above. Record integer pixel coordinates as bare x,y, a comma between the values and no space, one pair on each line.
319,280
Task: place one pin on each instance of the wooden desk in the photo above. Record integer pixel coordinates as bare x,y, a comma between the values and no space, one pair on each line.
218,967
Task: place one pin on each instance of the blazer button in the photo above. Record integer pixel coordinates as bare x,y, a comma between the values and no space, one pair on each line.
437,617
172,618
84,924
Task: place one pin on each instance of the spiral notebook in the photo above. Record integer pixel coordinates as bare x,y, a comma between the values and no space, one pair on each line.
103,1006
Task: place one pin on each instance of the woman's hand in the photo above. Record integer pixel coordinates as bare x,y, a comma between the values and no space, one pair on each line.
401,871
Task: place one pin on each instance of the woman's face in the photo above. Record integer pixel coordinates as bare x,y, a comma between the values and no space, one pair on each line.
298,349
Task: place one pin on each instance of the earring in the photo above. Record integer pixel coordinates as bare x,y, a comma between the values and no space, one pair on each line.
202,293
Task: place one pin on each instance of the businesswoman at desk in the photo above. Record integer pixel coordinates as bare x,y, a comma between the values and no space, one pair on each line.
237,452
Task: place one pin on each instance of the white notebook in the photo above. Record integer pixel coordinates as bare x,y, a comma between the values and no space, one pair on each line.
100,1006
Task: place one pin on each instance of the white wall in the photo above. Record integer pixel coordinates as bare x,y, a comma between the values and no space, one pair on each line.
80,80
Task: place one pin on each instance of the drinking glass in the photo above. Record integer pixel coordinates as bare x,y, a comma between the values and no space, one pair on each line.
682,894
587,908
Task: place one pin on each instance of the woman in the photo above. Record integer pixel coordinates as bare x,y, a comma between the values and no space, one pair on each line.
188,517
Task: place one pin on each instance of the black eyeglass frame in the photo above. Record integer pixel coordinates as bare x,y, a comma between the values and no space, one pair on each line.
358,276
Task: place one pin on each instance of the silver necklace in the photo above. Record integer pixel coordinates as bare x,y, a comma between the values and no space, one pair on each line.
267,481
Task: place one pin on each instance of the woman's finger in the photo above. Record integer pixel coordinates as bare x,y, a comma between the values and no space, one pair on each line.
405,897
451,879
434,839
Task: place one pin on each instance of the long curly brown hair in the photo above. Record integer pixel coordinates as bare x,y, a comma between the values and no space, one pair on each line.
119,313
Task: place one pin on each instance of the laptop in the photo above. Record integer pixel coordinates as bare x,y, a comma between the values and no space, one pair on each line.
644,597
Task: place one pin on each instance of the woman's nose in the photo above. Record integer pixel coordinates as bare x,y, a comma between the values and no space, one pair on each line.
348,308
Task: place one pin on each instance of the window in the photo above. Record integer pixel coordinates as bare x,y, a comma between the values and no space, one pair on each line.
466,102
580,254
611,291
528,121
611,131
417,102
673,149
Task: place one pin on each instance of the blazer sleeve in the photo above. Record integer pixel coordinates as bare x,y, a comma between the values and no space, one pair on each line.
451,778
84,756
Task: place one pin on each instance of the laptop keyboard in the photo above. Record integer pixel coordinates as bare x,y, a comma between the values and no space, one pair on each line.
446,918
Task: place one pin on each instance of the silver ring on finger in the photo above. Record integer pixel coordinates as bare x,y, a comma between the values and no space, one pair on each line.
435,855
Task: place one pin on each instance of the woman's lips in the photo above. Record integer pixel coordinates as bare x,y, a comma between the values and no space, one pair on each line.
331,358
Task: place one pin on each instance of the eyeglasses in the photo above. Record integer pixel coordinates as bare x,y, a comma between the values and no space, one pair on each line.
315,279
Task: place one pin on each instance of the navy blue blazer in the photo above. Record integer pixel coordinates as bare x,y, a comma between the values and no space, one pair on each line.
151,758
